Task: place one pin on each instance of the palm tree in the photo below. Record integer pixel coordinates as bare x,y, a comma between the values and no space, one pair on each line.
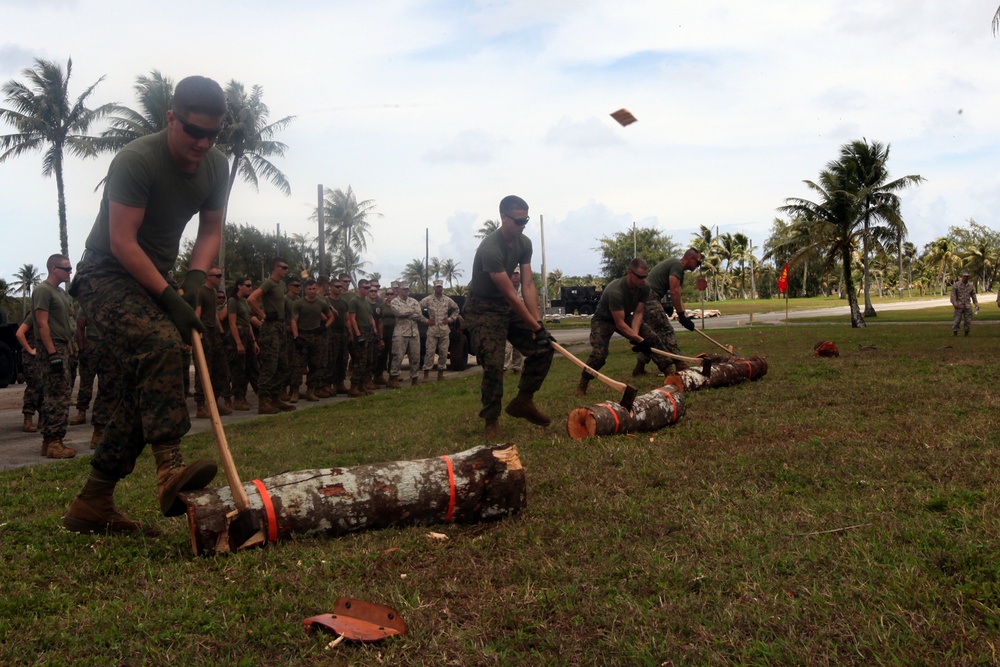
450,271
154,93
435,267
487,228
910,254
348,260
866,178
45,119
831,226
943,254
414,273
248,140
711,252
346,219
25,280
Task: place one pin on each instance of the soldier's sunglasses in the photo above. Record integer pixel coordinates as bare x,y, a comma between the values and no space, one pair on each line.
197,132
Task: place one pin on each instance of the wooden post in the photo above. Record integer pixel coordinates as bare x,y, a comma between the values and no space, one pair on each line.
481,484
651,412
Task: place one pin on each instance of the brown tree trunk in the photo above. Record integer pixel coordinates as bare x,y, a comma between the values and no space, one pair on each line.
726,371
480,484
659,408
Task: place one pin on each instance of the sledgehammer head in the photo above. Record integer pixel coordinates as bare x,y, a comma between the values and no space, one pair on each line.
706,367
628,397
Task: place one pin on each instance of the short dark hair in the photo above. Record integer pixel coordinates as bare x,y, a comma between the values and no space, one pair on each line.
364,282
50,263
637,263
311,282
198,94
511,203
278,260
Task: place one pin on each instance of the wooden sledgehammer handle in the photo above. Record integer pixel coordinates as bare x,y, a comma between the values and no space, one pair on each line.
664,353
728,348
240,497
614,384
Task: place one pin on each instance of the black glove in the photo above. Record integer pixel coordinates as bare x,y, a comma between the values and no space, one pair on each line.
685,321
181,314
668,308
194,280
56,364
643,346
301,344
543,338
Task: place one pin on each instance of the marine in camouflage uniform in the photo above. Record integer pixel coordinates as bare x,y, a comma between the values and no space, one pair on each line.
154,186
406,335
53,333
361,328
95,360
32,399
963,298
440,311
495,314
240,342
268,302
310,317
665,281
215,354
337,334
375,303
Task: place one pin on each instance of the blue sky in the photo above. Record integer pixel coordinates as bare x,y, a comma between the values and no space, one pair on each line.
436,110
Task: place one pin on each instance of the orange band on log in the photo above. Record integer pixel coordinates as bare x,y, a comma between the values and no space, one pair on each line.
272,517
669,394
613,414
451,486
749,368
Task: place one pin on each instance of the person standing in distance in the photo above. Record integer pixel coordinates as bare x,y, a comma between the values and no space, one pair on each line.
53,333
154,186
963,298
495,314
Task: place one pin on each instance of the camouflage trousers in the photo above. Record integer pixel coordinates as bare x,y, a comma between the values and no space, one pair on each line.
437,343
601,332
91,357
654,315
218,368
273,359
32,401
337,359
149,403
241,366
312,359
492,324
408,346
56,390
360,358
963,317
384,361
95,360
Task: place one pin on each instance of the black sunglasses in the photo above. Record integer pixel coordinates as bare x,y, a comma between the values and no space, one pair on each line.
640,277
67,269
519,221
197,132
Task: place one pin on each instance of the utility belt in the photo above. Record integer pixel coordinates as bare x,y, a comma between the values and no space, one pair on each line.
273,317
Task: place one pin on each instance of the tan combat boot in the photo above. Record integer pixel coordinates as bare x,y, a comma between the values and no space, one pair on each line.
393,382
223,406
29,425
93,510
492,429
55,449
523,407
281,405
96,438
79,418
440,374
173,477
267,407
311,395
240,404
355,393
202,412
294,396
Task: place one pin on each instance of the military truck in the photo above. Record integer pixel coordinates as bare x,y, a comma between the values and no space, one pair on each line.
578,298
10,352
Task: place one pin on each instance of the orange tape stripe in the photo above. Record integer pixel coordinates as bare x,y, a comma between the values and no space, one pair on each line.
451,484
670,395
613,414
272,517
749,368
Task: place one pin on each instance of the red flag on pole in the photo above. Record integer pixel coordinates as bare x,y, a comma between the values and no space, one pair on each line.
783,279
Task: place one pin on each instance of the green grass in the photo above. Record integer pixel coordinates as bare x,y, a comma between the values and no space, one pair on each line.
704,543
988,313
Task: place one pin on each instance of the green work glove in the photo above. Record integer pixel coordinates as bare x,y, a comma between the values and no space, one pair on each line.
194,280
181,313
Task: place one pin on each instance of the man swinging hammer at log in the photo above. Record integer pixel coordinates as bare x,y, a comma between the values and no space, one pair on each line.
620,310
153,188
665,280
495,314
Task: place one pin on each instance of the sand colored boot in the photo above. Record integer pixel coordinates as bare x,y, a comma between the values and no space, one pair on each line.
29,424
393,382
79,418
523,407
54,448
96,438
173,477
240,404
294,397
267,407
310,395
93,510
202,412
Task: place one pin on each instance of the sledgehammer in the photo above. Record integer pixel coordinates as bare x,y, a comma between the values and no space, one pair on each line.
628,392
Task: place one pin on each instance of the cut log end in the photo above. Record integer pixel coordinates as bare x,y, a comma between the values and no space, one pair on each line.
581,424
674,381
510,456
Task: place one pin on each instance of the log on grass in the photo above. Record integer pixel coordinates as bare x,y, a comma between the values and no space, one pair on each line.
480,484
726,371
651,412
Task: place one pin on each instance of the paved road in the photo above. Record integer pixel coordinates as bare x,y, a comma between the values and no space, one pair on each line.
19,449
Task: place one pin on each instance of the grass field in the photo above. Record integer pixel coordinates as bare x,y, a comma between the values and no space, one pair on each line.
837,511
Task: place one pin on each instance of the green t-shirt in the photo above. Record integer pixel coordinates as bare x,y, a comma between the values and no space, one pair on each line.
310,313
144,175
388,315
207,300
618,297
659,276
242,310
362,312
340,322
55,302
493,256
272,300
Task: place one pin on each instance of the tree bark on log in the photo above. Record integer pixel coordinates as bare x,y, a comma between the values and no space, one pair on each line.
726,371
651,412
480,484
